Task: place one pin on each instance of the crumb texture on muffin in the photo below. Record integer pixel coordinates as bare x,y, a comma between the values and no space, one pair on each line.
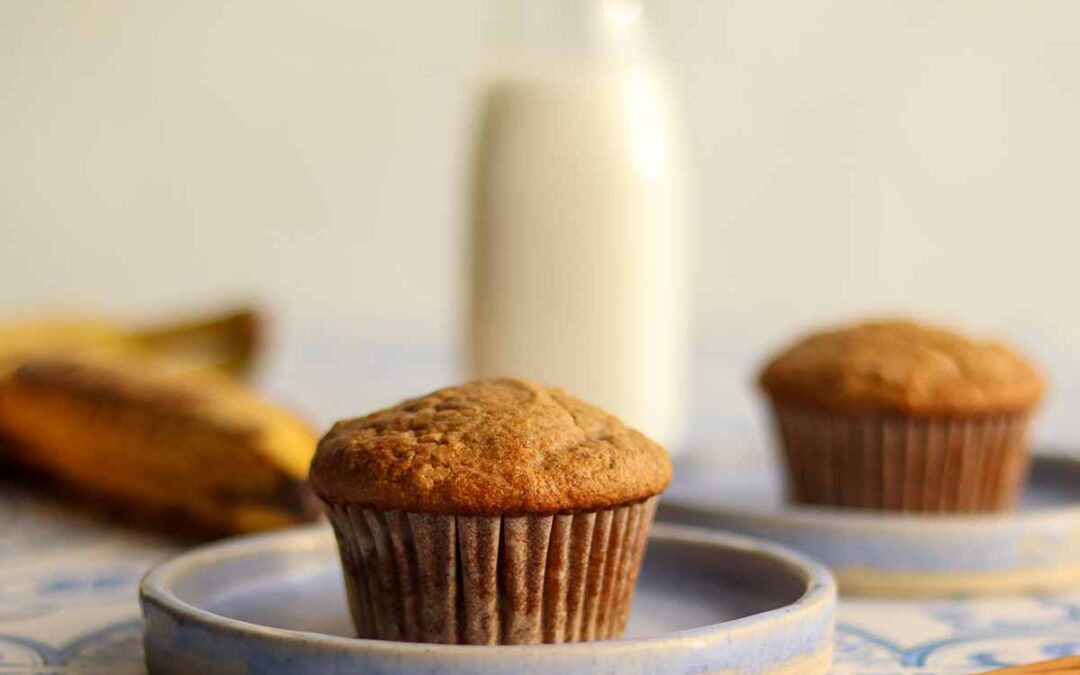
902,367
492,447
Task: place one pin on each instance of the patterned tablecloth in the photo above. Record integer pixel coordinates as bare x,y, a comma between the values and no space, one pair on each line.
68,605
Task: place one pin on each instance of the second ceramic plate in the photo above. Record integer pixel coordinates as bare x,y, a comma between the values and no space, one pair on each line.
1036,548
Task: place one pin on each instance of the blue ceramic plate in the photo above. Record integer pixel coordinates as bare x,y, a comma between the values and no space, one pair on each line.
275,604
1035,548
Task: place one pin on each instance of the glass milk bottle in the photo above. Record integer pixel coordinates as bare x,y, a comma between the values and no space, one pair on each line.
577,250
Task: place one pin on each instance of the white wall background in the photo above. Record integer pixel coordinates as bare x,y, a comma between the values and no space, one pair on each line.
850,157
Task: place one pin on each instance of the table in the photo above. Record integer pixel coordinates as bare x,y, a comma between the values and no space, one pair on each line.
68,605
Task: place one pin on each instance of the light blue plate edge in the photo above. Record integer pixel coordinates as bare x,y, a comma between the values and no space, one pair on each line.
181,638
911,543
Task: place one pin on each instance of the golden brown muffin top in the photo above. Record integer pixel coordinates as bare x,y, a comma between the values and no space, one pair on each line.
902,367
492,447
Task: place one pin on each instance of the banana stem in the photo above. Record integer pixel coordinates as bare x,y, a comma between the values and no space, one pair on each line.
228,342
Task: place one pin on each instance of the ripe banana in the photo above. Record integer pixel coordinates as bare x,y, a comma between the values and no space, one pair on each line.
226,343
20,341
189,449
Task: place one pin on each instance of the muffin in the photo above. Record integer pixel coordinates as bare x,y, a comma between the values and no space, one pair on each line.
495,512
897,416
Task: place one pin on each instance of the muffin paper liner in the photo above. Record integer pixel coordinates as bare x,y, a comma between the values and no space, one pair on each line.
491,580
962,464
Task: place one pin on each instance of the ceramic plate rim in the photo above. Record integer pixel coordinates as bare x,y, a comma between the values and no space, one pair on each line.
823,516
819,595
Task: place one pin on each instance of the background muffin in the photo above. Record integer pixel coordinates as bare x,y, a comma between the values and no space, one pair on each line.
496,512
894,415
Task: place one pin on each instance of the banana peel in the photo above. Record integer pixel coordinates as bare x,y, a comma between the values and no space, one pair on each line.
181,447
227,343
22,340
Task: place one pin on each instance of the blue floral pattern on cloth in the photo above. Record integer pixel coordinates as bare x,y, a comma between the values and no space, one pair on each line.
113,649
955,635
68,606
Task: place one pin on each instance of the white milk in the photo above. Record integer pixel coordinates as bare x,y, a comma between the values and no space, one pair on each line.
578,264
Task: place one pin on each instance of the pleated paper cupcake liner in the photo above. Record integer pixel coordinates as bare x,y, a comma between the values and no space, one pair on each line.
931,464
491,580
